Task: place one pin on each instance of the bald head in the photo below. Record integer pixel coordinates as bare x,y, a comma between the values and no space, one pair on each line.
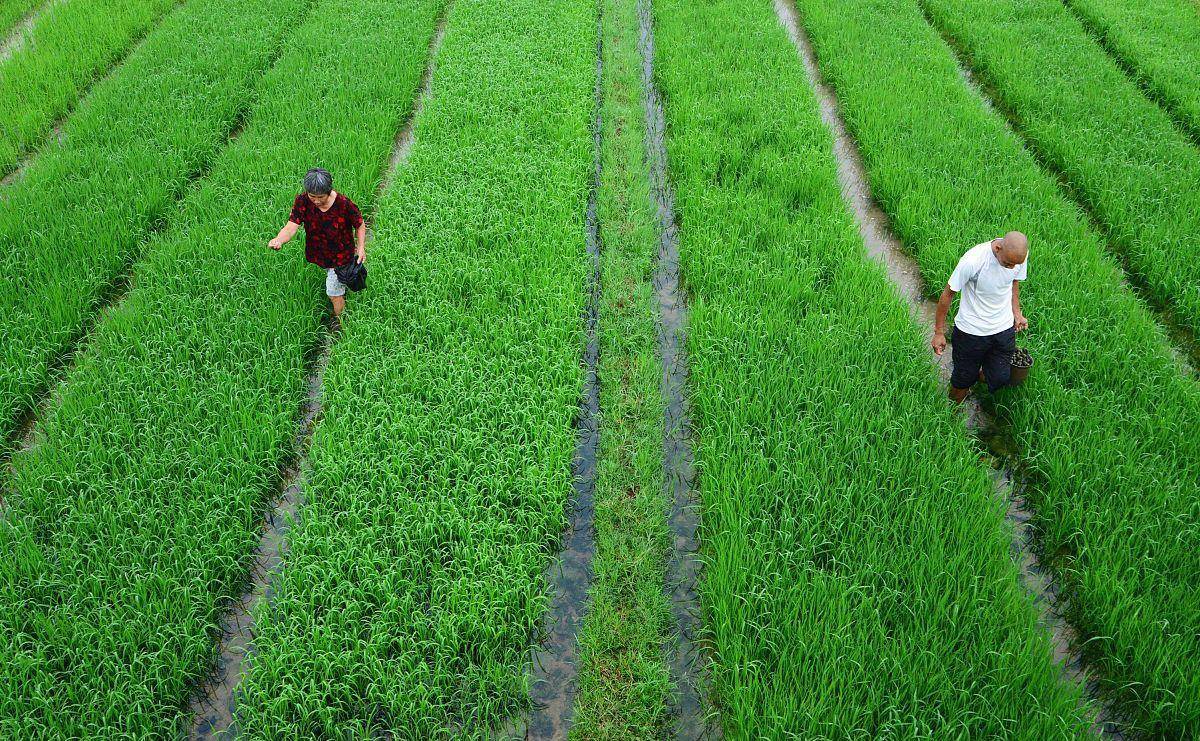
1012,249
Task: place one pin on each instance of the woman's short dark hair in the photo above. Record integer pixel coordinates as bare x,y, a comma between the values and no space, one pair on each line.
318,182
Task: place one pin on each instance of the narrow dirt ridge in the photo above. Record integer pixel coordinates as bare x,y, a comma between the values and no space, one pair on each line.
885,247
678,457
20,31
1181,121
1182,341
213,703
555,670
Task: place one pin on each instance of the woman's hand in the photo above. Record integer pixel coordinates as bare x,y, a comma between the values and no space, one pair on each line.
275,243
361,254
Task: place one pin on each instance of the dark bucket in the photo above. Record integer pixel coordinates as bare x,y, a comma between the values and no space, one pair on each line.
1022,361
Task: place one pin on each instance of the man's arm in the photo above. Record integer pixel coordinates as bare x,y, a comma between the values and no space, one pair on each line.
360,236
1019,320
285,235
939,321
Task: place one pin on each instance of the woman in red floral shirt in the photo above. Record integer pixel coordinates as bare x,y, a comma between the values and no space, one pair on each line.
334,231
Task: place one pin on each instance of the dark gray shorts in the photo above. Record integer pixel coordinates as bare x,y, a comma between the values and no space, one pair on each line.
992,353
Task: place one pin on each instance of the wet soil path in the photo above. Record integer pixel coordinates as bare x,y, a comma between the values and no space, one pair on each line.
213,704
1181,339
903,271
687,662
555,669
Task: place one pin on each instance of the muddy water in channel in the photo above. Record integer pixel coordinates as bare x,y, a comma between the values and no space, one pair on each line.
678,459
555,670
213,704
903,271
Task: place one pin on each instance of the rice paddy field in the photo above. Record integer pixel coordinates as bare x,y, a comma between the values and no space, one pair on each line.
635,432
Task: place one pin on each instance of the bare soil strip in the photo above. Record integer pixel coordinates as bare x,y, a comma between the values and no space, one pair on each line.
555,671
1184,344
20,32
213,703
1181,121
903,271
678,457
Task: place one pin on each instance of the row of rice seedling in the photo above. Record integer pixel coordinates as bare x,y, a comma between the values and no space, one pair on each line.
12,11
412,589
857,574
1106,423
133,518
1136,172
77,217
1159,41
625,686
68,48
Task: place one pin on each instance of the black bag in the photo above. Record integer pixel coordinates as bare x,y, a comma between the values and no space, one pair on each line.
353,275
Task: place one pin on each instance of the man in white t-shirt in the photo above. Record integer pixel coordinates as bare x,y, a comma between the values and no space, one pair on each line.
989,315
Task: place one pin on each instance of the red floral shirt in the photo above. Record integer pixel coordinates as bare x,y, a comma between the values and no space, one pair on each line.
328,235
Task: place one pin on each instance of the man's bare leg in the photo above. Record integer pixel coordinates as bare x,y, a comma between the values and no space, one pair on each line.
339,303
959,395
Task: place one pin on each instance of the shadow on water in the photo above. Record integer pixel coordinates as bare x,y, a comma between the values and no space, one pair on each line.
555,670
687,662
904,273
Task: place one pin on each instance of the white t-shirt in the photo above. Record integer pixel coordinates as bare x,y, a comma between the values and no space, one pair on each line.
986,286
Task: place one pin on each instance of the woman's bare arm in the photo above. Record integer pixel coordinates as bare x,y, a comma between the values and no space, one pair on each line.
285,234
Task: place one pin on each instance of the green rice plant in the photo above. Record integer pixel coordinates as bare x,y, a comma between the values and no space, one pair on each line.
1135,171
134,517
1159,41
625,686
858,578
69,48
412,589
78,215
1106,424
12,11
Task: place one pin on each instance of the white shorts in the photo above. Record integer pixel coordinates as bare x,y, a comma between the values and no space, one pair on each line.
333,286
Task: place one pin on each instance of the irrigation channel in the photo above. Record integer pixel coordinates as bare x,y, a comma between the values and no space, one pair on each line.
902,270
687,663
24,433
555,665
20,32
1182,341
55,133
1178,117
213,703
